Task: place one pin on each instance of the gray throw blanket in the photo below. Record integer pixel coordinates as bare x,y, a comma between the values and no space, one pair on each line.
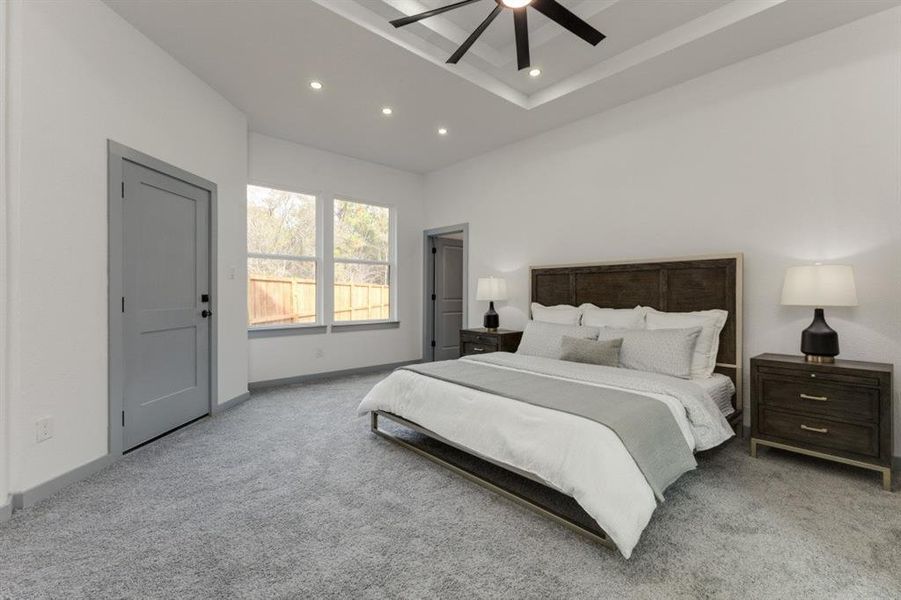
646,427
708,425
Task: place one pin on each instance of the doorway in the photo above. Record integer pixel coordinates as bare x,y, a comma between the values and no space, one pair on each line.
162,315
445,291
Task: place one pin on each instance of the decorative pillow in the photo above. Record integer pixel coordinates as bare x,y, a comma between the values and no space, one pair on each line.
666,351
625,318
580,350
562,314
711,323
545,339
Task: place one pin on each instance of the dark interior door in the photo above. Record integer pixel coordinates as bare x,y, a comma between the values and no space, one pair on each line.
448,297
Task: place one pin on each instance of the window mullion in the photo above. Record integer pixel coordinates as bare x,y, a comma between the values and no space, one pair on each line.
327,252
280,256
362,261
392,260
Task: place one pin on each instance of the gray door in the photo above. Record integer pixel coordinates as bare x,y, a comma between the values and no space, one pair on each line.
166,271
448,297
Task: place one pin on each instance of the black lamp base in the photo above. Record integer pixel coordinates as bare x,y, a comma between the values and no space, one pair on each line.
491,320
819,342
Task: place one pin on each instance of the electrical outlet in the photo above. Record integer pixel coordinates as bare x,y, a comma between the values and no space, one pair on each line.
232,271
318,353
43,429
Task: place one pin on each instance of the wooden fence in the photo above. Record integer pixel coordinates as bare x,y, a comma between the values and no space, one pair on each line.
279,300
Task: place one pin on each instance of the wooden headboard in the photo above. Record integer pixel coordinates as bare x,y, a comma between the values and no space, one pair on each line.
673,285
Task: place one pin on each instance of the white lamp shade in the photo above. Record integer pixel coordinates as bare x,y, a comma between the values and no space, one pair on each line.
819,285
491,288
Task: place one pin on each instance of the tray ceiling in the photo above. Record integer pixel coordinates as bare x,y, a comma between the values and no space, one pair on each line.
262,54
637,31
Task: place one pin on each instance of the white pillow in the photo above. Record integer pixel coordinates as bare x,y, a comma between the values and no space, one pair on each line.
546,339
711,323
562,314
666,351
622,318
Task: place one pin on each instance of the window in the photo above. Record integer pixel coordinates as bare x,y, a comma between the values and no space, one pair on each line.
363,260
282,263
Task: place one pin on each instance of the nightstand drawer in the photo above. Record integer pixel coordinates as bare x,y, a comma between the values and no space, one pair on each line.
476,338
475,348
818,397
820,376
817,431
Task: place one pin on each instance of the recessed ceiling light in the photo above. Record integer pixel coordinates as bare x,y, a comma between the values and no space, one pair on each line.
516,3
534,72
387,110
316,85
442,131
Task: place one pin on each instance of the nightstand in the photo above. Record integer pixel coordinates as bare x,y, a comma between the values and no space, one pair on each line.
480,341
840,411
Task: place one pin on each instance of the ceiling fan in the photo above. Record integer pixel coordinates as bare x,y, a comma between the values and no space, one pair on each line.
551,9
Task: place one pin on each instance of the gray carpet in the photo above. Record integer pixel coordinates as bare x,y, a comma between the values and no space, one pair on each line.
290,496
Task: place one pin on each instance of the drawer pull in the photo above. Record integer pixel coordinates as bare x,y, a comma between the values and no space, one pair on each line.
815,429
478,349
817,398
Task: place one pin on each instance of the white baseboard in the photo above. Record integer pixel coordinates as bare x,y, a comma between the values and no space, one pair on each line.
259,385
46,489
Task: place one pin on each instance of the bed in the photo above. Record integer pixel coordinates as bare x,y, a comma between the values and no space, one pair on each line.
523,431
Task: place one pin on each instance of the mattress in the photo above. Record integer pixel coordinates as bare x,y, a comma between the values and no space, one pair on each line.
721,389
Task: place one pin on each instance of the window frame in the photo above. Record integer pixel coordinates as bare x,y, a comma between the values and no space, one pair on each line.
318,260
391,263
325,266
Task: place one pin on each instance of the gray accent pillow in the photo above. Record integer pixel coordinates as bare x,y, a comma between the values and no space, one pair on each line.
580,350
666,351
545,339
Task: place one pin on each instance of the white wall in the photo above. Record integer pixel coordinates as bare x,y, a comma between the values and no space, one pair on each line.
289,166
789,157
79,75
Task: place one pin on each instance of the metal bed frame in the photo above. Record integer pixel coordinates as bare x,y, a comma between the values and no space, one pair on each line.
597,535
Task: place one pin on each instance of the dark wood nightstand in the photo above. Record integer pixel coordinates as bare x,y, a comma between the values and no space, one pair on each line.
840,411
480,341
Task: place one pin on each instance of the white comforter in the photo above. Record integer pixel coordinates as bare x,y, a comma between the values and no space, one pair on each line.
576,456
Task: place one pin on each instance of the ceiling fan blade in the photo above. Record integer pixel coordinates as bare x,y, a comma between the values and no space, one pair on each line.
555,11
429,13
456,56
521,26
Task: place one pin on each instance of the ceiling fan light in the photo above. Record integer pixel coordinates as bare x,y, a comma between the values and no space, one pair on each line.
516,3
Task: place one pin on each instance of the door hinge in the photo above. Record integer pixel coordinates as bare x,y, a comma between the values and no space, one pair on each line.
433,343
123,418
434,250
123,303
123,189
434,297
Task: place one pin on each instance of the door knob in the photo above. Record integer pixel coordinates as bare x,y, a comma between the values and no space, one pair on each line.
205,313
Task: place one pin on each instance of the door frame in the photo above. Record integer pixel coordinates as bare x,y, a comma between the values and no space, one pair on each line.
118,155
427,274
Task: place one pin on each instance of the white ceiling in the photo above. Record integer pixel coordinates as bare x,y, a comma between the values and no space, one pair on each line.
262,54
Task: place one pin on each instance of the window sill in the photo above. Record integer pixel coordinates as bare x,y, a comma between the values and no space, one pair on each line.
363,325
282,330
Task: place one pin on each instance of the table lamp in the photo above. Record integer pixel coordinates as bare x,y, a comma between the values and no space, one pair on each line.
491,289
818,286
